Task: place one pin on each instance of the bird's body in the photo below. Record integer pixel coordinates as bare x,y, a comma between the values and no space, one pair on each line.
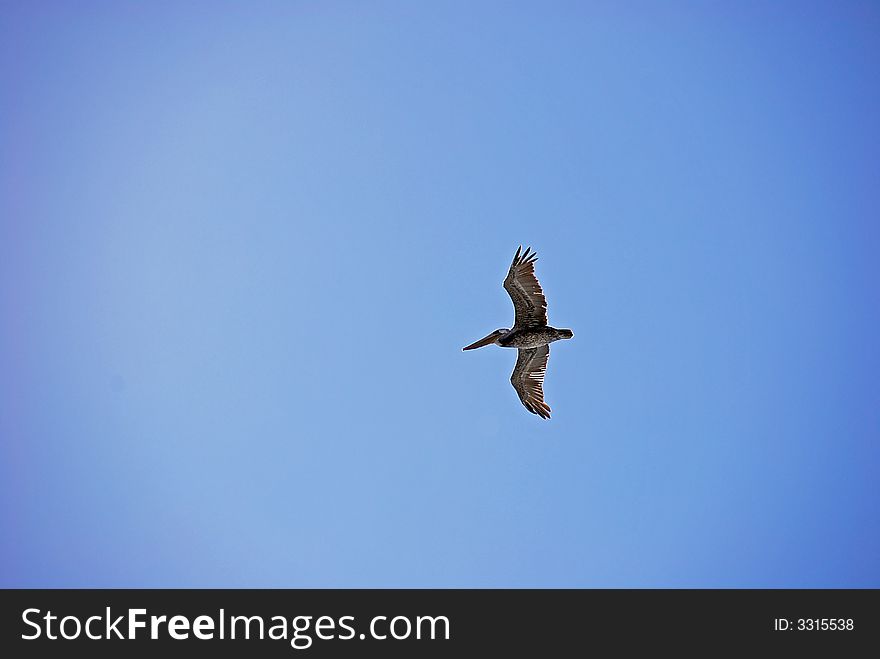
533,338
530,333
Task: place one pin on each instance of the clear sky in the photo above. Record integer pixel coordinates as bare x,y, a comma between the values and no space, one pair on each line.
242,245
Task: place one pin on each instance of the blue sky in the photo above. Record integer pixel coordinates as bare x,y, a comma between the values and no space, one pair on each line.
241,247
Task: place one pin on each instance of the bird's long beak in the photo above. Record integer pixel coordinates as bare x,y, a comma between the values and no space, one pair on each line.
489,339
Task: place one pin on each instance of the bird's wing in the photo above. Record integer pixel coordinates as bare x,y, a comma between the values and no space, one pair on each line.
529,304
528,379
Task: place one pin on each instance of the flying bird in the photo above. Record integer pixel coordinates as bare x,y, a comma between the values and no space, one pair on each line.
530,334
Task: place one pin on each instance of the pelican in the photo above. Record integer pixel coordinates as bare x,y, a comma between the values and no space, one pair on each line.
530,333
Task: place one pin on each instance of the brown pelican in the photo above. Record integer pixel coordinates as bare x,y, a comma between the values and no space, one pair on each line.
530,334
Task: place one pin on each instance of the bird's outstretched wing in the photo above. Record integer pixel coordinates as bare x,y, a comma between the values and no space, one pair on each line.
528,379
529,304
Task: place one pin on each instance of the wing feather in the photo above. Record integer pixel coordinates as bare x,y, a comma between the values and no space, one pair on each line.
528,379
529,303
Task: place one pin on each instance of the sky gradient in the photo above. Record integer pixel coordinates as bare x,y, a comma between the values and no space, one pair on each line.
242,245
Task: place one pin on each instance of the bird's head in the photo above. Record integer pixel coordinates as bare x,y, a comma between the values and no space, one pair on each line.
487,340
